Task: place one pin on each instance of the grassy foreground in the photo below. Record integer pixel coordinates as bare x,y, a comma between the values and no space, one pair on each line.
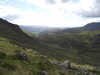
10,64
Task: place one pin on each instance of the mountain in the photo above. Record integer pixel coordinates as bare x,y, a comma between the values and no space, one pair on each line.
80,45
94,26
21,54
13,32
37,29
18,55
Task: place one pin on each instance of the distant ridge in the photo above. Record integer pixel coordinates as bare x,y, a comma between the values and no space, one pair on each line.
92,26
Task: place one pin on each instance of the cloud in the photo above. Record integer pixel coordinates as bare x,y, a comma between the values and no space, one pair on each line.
11,17
54,13
46,3
57,1
10,13
50,1
90,9
8,10
64,1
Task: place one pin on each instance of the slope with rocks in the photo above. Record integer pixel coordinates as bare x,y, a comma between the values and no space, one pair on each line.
80,45
17,53
19,57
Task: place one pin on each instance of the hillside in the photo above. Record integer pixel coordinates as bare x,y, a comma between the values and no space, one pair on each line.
17,56
15,34
80,45
21,54
13,62
94,26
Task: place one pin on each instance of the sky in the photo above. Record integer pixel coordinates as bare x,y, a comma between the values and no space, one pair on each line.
52,13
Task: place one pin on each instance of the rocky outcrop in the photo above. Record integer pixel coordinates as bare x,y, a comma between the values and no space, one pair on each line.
66,64
43,73
22,56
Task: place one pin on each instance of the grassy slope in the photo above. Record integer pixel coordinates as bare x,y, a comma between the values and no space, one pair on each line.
9,65
16,35
13,40
80,47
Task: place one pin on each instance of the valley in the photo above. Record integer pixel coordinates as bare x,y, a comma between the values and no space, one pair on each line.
74,51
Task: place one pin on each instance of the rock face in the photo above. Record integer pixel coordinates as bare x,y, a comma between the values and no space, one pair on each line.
22,56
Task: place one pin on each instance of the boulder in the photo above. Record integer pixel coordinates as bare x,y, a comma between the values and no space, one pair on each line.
66,64
22,56
43,73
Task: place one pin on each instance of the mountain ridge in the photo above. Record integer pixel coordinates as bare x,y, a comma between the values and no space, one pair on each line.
14,32
21,54
93,26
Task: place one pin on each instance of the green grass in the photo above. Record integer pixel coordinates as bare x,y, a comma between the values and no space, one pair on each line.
79,47
9,65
